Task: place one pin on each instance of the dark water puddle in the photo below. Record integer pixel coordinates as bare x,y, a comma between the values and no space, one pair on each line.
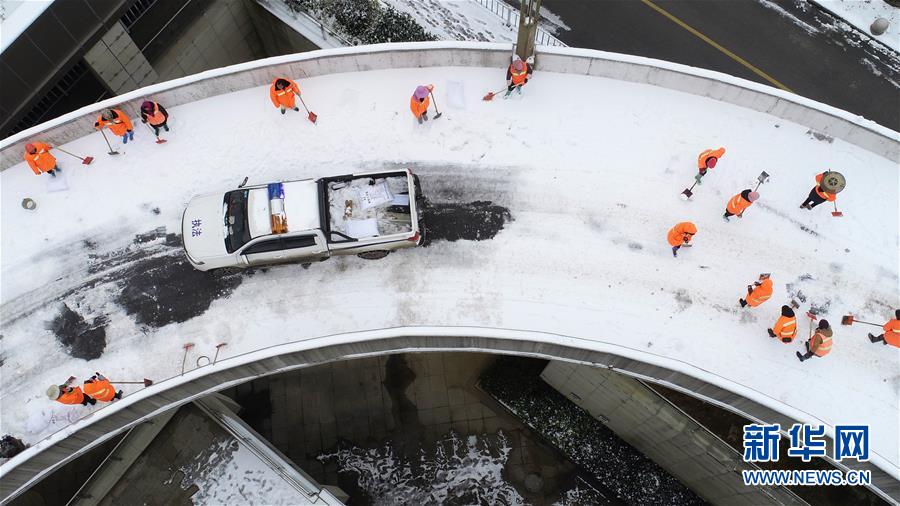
473,221
80,338
162,290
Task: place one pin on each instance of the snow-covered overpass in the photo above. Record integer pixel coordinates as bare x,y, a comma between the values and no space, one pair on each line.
582,176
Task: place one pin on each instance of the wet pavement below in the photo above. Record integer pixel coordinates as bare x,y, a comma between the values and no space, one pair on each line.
79,337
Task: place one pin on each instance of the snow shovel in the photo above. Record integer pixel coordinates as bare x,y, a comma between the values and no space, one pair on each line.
146,382
312,116
687,191
849,320
86,160
218,346
111,150
763,177
186,347
490,95
158,139
836,213
433,101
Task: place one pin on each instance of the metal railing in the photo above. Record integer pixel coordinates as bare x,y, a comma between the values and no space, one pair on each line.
510,16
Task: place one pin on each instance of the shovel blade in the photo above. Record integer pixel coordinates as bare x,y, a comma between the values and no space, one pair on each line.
113,153
147,382
687,193
87,160
160,141
837,214
312,116
438,115
489,96
847,320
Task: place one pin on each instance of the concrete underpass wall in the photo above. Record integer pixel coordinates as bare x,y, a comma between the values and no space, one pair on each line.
818,117
680,445
43,458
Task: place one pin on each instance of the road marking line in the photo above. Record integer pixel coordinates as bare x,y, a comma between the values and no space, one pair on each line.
716,45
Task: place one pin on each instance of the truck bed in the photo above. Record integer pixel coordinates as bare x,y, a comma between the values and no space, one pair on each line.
369,206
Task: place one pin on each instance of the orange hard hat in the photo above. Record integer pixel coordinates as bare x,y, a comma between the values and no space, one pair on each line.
29,148
690,228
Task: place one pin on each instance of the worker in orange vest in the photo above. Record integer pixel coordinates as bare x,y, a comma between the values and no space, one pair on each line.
891,334
707,160
118,122
67,394
420,101
681,235
819,344
517,75
739,203
758,292
283,93
99,388
818,195
155,115
38,156
785,326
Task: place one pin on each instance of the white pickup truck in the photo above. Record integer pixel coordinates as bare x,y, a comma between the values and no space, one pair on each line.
304,221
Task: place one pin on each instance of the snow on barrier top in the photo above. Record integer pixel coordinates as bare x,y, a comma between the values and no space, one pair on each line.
820,117
568,190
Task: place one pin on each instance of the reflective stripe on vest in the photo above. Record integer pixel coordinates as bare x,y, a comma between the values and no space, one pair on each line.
825,347
789,328
735,202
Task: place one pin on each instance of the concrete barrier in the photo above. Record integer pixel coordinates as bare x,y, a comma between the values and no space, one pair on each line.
814,115
39,461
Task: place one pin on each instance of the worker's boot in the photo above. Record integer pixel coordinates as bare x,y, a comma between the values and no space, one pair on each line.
800,357
166,128
875,339
419,118
283,110
725,217
771,334
743,302
297,109
675,251
118,395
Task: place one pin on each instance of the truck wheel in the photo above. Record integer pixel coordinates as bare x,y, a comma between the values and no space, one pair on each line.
374,255
227,271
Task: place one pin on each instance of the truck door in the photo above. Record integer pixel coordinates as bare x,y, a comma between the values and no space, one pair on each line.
310,248
267,251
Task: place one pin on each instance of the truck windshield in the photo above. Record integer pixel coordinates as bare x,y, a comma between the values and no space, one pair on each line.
236,231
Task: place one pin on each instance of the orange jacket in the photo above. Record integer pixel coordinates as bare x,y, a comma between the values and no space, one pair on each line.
156,117
118,126
285,97
820,344
737,205
760,294
830,197
419,108
892,333
518,77
42,160
101,390
716,153
71,395
681,233
785,328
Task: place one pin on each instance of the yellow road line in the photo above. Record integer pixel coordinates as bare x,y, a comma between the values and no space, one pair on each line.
716,45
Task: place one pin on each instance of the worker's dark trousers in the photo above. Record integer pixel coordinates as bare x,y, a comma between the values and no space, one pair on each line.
88,400
813,199
876,339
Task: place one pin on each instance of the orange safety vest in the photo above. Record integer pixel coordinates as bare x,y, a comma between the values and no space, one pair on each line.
760,294
716,153
118,126
73,395
737,204
830,197
418,108
821,343
101,390
284,97
892,333
786,328
678,234
518,76
41,160
157,118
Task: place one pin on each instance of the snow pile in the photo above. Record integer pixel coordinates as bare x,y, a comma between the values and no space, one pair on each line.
229,473
862,13
575,192
460,471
